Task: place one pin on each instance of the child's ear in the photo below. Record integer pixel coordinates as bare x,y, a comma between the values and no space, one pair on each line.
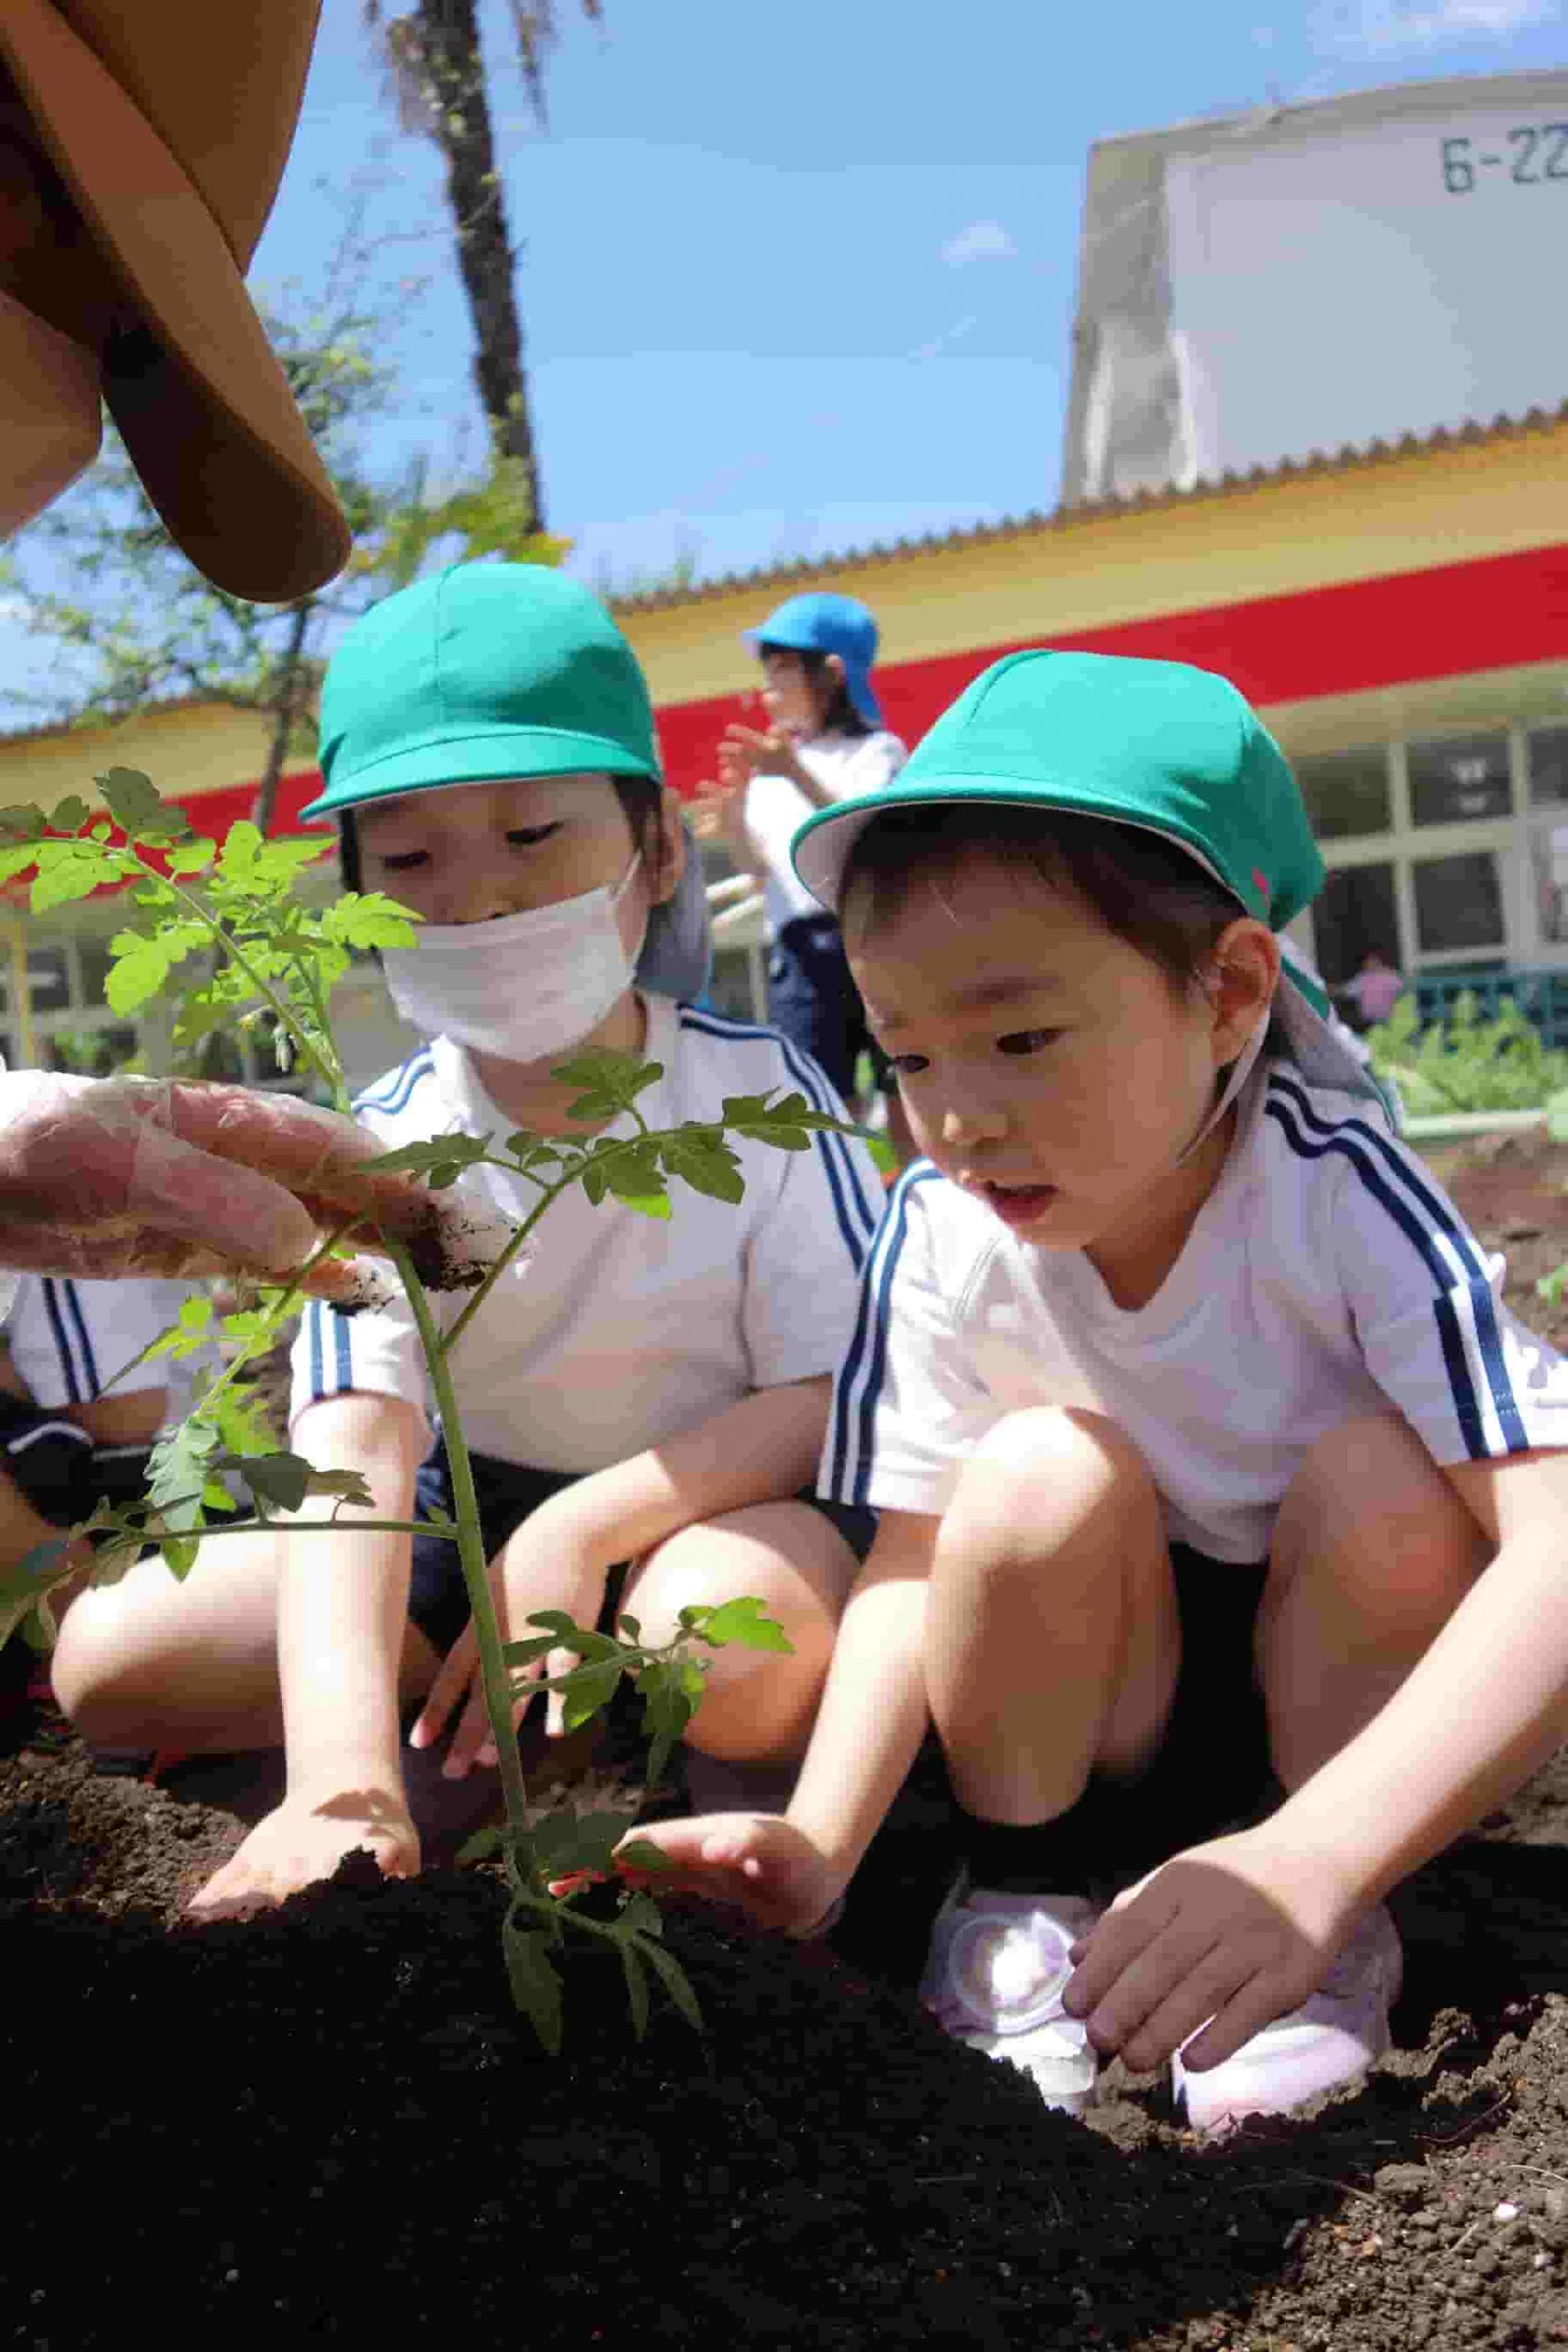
1242,973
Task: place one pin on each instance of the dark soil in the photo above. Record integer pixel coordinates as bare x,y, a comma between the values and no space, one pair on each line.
329,2122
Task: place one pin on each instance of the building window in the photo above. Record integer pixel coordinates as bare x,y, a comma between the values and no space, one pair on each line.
1463,777
1546,752
1346,793
1353,913
1459,902
1548,858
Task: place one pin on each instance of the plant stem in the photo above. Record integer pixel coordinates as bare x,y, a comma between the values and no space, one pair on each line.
470,1551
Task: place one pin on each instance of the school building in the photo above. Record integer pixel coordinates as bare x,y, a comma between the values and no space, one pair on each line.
1398,612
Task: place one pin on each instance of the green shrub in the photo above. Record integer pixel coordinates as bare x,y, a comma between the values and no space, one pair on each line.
1469,1064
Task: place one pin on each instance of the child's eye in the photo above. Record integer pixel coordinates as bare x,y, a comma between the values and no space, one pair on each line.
1027,1041
403,861
908,1065
530,836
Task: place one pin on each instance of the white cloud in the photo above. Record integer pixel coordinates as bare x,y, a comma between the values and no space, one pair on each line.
981,241
1387,27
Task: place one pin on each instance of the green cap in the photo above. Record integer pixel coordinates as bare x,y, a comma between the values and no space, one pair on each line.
488,669
1158,744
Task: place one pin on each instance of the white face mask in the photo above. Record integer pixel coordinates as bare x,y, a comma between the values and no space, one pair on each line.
526,985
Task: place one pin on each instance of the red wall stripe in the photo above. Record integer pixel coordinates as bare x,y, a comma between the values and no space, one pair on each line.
1444,622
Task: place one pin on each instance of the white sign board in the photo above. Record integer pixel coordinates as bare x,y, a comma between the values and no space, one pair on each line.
1376,281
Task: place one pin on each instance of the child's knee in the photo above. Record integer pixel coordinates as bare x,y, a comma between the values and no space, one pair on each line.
102,1682
1370,1508
1047,1471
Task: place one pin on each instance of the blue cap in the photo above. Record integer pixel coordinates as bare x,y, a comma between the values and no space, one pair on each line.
823,624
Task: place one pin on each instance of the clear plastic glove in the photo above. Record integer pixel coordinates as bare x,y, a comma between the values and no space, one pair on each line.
302,1842
757,1863
105,1177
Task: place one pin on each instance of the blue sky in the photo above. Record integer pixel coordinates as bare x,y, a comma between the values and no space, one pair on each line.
802,280
799,280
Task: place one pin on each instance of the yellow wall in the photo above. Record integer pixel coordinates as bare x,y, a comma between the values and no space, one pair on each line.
191,747
1365,520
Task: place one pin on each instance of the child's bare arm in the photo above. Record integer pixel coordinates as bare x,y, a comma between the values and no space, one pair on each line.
870,1725
1242,1929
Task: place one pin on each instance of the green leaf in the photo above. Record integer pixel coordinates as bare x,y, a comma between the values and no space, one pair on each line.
283,1481
524,1653
595,1183
138,806
192,858
593,1688
702,1158
569,1634
438,1152
1552,1286
637,1987
611,1082
68,816
535,1985
639,1914
68,870
745,1622
142,962
483,1843
369,919
667,1709
676,1981
23,821
633,1176
567,1840
16,860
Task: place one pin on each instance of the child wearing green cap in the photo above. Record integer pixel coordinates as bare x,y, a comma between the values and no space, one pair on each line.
635,1391
1223,1507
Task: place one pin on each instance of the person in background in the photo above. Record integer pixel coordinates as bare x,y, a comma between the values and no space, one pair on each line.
1375,990
824,742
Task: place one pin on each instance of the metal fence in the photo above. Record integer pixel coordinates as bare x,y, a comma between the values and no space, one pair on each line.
1541,995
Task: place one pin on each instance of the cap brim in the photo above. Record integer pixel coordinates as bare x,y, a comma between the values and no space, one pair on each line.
484,758
204,406
820,850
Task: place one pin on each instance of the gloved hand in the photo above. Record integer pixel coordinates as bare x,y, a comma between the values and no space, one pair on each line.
102,1177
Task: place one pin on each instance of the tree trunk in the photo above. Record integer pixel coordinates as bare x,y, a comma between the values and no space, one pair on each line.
285,710
453,65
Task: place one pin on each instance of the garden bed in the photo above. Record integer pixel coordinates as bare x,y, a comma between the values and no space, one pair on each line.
328,2122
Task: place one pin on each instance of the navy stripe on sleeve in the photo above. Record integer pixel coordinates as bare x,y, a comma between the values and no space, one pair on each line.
392,1094
83,1337
67,1373
858,1389
1445,1249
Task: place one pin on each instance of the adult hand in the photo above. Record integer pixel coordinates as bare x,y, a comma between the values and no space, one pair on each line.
1228,1938
303,1841
757,1863
546,1565
102,1177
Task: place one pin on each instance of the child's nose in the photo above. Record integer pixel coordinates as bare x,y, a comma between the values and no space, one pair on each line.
970,1120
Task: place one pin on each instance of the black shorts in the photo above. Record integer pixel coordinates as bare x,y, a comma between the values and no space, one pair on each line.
1211,1771
57,1469
507,1492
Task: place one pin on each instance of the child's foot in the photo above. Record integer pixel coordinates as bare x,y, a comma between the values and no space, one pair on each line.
1333,2036
994,1979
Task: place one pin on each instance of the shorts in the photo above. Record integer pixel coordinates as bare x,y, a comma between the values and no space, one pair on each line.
57,1469
1212,1770
813,1000
507,1492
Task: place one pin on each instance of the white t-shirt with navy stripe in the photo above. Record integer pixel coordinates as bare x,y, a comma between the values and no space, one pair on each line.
71,1340
619,1329
1327,1276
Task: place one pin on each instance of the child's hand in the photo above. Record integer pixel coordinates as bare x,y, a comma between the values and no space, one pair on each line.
1237,1931
540,1567
302,1842
757,1862
745,751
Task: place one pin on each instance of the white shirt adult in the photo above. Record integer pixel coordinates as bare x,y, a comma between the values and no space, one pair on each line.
1327,1275
620,1329
775,809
